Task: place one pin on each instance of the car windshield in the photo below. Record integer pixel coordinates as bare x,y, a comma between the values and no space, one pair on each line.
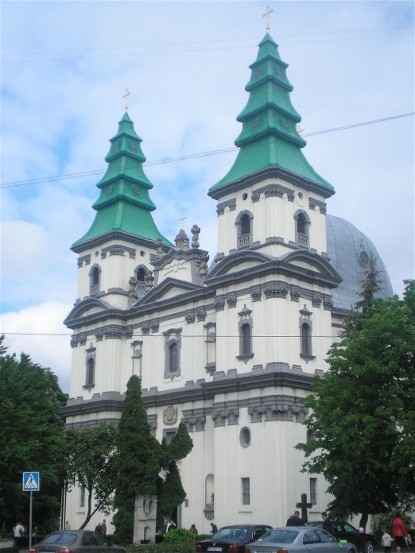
60,537
279,536
229,533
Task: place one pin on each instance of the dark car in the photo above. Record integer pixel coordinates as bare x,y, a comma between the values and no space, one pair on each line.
232,539
76,541
365,543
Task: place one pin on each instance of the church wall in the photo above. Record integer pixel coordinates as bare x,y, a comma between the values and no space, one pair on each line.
273,215
178,268
275,330
116,261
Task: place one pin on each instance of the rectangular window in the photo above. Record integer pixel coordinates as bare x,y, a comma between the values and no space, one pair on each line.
246,491
82,496
168,435
313,491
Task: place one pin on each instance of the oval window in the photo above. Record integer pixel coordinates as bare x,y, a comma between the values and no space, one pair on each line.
245,437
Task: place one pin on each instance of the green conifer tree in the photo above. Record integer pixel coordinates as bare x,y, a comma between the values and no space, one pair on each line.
138,461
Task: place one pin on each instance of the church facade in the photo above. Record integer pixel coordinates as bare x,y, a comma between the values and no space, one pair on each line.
228,346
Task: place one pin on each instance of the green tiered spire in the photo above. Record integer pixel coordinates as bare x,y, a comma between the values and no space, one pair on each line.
269,136
124,204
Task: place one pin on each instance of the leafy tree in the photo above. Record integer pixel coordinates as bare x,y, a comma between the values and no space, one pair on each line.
362,412
91,462
138,460
31,438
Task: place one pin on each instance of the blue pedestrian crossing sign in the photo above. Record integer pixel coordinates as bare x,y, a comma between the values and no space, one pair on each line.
31,482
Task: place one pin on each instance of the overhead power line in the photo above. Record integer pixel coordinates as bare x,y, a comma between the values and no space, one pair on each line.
155,335
198,46
42,180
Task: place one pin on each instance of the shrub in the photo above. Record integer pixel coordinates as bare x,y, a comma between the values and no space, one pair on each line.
178,547
178,535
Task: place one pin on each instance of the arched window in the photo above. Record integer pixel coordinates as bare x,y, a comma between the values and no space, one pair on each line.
172,353
302,226
305,339
306,327
245,224
244,229
209,509
210,348
173,357
246,339
140,274
90,372
90,367
245,334
94,280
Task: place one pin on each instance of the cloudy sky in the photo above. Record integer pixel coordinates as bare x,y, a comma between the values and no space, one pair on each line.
65,69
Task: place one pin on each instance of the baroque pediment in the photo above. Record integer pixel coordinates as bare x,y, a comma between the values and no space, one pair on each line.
87,308
168,289
304,265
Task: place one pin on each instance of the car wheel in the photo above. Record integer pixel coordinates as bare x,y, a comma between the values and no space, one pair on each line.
369,547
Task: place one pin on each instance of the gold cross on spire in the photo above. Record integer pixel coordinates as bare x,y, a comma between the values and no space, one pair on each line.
267,13
126,97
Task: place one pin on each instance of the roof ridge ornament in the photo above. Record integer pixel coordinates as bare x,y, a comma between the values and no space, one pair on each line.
266,15
126,97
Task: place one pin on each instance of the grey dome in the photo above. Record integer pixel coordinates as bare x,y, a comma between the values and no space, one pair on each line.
349,251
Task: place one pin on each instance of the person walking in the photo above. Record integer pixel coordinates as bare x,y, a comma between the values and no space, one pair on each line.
193,529
18,533
295,520
399,532
386,542
213,528
327,526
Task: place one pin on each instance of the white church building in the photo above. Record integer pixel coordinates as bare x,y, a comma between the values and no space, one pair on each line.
228,345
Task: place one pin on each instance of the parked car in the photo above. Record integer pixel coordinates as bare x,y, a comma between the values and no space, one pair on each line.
232,539
76,541
365,543
299,539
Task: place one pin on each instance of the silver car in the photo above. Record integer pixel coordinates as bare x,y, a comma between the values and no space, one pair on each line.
299,540
76,541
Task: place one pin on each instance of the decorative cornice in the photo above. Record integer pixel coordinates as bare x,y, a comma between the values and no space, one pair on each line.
313,203
272,190
225,414
84,259
194,419
276,289
118,249
270,172
274,374
219,303
95,243
220,208
277,408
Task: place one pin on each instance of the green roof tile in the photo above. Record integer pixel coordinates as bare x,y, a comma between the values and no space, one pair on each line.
124,203
269,136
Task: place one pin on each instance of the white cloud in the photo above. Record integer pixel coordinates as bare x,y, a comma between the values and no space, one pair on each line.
39,332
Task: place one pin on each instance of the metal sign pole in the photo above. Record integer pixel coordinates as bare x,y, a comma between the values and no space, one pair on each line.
30,520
